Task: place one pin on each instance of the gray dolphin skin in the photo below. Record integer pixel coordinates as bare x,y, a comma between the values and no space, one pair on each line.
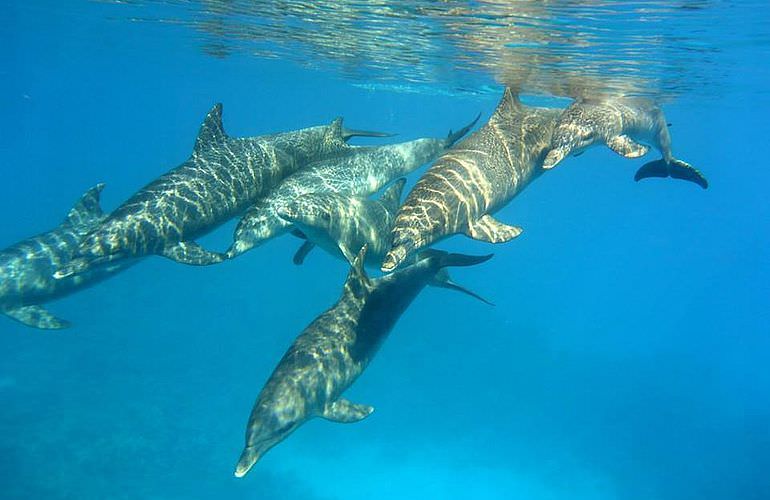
625,125
330,354
361,170
342,224
474,179
222,177
26,268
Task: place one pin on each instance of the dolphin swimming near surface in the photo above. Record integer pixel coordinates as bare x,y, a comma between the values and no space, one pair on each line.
473,180
331,353
362,170
26,268
626,126
223,176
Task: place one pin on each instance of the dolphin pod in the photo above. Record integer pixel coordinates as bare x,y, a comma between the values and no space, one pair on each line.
621,124
333,351
222,177
313,183
362,170
27,268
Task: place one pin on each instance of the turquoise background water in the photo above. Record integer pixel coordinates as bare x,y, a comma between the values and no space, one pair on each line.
626,357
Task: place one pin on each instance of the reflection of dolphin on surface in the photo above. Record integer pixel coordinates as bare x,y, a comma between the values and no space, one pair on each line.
626,126
334,350
220,180
361,170
476,178
26,268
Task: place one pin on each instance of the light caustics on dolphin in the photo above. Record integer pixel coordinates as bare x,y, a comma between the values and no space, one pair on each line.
625,125
473,180
331,353
222,177
26,268
361,170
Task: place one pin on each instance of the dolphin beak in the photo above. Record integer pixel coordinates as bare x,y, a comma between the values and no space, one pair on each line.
249,457
553,158
395,256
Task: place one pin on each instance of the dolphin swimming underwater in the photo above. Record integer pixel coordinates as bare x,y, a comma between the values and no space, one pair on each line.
362,170
473,180
342,224
331,353
626,126
223,176
26,268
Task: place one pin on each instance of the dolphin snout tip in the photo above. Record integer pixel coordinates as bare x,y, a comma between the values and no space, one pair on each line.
248,458
393,258
552,159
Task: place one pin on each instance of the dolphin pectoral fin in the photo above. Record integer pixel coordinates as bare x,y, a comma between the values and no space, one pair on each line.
443,280
302,251
36,317
189,252
676,169
345,412
488,229
627,147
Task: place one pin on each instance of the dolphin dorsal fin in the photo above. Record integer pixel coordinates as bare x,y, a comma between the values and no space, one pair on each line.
87,209
507,104
211,132
358,283
391,197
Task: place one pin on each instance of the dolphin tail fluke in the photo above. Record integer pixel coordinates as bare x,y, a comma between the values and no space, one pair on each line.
676,169
249,457
36,317
347,133
443,280
453,137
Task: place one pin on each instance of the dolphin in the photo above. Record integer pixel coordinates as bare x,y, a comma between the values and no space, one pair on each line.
26,268
474,179
223,176
331,353
341,224
362,170
625,125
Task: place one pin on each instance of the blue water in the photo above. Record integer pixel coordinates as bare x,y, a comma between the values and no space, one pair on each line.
627,354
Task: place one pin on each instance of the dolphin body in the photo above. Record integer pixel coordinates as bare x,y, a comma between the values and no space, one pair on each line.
474,179
223,176
331,353
342,224
26,268
361,170
626,126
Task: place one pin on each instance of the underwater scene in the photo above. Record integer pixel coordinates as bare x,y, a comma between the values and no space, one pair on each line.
375,249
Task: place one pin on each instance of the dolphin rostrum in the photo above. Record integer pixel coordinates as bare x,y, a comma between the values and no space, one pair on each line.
473,180
626,126
26,268
223,176
361,170
331,353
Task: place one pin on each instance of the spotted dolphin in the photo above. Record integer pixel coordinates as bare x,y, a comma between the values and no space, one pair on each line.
362,170
626,126
223,176
473,180
331,353
26,268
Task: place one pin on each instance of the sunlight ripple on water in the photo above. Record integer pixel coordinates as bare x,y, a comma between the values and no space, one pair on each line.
562,48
